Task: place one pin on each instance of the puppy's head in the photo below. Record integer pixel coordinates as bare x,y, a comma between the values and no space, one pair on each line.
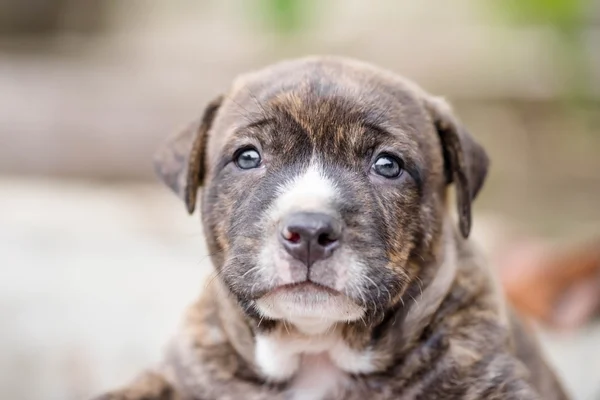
324,187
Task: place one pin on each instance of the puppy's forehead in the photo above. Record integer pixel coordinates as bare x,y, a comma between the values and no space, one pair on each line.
321,92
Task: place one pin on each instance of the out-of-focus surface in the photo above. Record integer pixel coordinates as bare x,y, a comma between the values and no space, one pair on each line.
97,262
94,279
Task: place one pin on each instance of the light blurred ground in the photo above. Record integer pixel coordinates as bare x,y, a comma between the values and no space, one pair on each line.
94,279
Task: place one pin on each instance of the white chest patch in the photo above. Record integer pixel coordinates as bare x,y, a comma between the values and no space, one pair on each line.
317,367
317,378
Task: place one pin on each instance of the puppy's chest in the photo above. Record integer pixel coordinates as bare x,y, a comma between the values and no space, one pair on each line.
319,368
318,378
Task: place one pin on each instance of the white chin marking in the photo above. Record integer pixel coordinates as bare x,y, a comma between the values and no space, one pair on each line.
310,191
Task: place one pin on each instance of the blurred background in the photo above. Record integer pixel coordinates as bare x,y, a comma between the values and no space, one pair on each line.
97,261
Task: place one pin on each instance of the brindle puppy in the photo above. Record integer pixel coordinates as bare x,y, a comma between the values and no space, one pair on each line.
340,274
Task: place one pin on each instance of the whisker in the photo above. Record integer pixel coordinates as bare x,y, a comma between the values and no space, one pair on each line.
251,270
260,320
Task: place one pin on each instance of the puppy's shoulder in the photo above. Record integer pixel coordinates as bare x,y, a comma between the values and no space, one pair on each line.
485,342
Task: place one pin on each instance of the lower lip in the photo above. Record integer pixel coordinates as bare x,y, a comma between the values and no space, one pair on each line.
305,287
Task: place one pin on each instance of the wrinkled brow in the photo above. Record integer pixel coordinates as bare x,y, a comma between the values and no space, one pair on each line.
376,128
258,123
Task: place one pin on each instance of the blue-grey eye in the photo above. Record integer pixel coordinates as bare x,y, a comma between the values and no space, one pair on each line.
248,159
388,166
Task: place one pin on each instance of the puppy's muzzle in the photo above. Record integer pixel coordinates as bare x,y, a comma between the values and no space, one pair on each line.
310,237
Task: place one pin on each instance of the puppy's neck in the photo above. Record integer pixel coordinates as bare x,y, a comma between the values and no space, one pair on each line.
279,353
421,309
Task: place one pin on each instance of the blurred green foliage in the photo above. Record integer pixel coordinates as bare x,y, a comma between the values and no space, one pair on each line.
285,16
569,20
565,15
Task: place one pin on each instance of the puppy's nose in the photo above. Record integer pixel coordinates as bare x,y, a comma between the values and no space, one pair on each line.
310,237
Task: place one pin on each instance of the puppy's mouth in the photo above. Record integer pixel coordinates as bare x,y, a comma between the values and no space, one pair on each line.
307,287
305,302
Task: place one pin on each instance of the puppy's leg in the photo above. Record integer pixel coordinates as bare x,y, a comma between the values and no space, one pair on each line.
149,386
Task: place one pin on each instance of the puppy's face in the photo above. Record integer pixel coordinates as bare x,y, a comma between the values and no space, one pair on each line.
325,188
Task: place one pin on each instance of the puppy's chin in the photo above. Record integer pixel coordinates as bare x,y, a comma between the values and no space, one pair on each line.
311,308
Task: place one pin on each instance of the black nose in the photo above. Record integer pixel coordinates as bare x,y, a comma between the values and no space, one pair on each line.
310,237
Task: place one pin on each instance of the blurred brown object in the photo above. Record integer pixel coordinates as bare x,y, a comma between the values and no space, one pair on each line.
43,18
560,288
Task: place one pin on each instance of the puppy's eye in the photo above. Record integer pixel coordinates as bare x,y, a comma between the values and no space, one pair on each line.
248,159
387,166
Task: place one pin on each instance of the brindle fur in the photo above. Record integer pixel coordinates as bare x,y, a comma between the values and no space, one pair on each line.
429,341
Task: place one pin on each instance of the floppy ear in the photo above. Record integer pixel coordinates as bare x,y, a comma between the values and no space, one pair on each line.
180,161
465,161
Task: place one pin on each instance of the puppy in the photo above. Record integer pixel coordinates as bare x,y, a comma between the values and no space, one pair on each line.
340,273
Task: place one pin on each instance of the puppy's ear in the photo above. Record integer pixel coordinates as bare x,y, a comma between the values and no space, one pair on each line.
180,161
465,161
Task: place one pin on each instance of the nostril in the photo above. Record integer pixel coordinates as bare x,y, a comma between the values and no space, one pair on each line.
325,239
293,237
